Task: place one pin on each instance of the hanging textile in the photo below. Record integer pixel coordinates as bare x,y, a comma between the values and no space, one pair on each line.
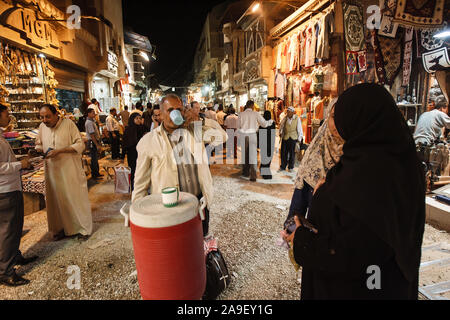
296,93
437,60
407,56
279,55
284,63
302,36
309,56
391,49
354,27
379,64
280,85
327,29
351,65
420,13
362,61
289,92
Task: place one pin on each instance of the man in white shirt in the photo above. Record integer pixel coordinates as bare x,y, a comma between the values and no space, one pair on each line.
113,127
211,114
96,106
248,124
291,132
11,209
431,124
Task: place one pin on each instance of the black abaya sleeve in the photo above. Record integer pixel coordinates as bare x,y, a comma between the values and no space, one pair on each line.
343,244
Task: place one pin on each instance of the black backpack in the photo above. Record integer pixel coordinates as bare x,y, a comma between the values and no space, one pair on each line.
217,275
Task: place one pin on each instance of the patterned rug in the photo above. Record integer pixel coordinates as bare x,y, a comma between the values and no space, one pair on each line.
420,13
354,27
391,50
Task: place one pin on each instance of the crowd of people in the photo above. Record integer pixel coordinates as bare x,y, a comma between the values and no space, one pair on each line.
359,198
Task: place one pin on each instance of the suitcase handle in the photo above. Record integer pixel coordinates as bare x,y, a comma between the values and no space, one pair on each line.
201,208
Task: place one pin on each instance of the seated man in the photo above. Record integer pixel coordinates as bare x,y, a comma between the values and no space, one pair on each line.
431,124
189,172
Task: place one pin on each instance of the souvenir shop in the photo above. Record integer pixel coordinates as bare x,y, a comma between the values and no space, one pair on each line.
402,51
333,46
306,68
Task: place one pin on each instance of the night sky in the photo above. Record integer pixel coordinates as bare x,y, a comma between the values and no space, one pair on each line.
174,27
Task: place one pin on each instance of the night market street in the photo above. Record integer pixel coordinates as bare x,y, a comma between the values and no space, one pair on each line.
246,219
232,150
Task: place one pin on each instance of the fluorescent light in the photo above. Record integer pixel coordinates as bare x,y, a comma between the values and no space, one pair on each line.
443,34
256,7
144,55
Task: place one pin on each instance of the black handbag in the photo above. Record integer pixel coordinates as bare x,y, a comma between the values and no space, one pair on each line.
217,275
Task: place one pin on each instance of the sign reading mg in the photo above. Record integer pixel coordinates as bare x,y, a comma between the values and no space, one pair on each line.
37,33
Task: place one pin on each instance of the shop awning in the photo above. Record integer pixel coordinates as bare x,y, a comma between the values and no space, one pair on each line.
138,41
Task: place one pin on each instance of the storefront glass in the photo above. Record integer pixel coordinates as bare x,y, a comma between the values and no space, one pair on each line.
69,99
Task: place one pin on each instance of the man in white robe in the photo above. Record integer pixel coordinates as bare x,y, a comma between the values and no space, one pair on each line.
67,199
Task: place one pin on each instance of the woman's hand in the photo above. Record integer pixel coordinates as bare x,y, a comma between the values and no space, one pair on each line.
290,237
319,184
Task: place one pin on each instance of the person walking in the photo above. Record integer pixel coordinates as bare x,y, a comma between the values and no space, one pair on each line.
147,117
156,117
363,235
211,114
267,146
11,209
221,116
67,198
113,127
133,134
291,132
94,143
125,116
231,124
249,123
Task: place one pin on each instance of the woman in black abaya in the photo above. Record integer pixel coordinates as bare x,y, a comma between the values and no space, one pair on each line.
131,137
368,218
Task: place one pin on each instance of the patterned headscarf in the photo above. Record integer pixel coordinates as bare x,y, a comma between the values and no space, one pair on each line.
323,153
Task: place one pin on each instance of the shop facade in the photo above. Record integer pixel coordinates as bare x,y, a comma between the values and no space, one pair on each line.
326,47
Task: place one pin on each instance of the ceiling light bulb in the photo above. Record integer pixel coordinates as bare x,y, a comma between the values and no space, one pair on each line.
443,34
256,7
144,55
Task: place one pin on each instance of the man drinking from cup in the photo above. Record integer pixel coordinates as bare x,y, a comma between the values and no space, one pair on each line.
173,155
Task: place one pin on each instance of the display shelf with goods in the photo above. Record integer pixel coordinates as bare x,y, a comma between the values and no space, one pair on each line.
26,83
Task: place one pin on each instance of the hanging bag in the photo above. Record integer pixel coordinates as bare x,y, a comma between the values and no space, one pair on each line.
122,180
217,276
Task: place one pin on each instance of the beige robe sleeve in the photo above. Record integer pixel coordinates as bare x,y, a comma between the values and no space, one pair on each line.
77,141
143,175
213,133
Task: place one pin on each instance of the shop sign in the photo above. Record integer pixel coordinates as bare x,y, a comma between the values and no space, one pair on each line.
252,71
113,63
37,33
225,76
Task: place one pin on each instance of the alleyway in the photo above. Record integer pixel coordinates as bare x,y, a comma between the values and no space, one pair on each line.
246,219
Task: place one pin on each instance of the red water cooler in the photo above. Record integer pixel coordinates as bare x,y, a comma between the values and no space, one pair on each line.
168,248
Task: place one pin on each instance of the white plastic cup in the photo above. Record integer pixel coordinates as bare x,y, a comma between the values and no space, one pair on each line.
170,197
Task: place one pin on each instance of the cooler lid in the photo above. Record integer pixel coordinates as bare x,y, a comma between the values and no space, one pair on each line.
149,212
